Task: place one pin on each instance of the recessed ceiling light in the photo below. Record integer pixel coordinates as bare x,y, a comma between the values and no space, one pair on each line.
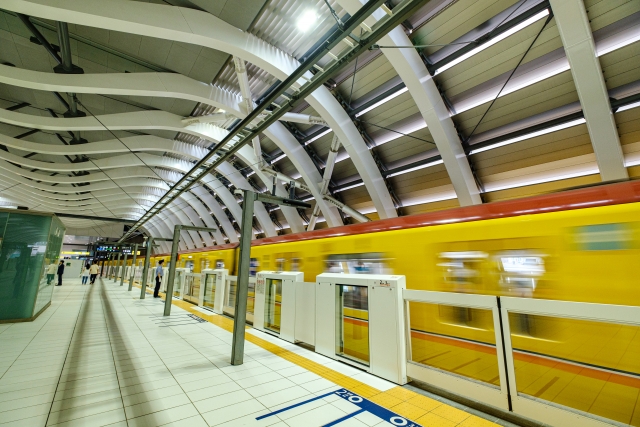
306,21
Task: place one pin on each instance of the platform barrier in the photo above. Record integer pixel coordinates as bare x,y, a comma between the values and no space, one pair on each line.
229,306
560,363
360,321
215,281
178,285
275,303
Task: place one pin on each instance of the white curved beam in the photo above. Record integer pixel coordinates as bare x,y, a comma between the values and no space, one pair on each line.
422,88
110,146
152,84
201,28
247,155
217,211
239,181
134,143
122,121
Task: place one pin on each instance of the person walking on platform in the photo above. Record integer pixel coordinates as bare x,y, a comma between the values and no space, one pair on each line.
51,272
159,274
85,274
60,272
93,271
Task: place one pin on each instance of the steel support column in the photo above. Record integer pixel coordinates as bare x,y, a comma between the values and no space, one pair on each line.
577,38
173,261
124,268
145,269
242,287
115,270
133,266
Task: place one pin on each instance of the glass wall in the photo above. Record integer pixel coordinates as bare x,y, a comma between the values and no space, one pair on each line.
28,243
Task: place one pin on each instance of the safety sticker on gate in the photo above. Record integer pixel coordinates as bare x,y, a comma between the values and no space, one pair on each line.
362,403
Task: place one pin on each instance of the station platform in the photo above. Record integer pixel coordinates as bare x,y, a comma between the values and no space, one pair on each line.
99,356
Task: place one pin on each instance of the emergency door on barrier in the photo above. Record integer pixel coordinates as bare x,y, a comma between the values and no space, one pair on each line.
275,303
191,288
360,321
178,282
214,292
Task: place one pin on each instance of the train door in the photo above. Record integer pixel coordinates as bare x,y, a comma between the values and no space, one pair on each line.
352,323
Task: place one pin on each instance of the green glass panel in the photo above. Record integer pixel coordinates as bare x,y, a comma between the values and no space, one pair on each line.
52,255
22,256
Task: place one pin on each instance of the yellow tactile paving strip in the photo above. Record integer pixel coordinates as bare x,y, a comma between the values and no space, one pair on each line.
421,409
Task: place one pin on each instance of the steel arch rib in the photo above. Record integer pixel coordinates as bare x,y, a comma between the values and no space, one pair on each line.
115,201
128,121
204,29
179,86
422,88
135,143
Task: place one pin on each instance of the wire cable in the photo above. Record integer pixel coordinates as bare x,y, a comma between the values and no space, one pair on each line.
510,75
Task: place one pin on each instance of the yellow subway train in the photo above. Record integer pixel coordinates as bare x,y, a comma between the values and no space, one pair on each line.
581,245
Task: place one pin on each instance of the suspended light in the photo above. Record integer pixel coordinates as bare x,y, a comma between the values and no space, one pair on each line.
307,21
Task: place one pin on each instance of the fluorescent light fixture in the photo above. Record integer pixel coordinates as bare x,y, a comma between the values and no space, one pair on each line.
430,199
506,186
360,184
318,136
529,135
307,21
251,173
277,159
308,199
628,107
524,24
379,103
426,165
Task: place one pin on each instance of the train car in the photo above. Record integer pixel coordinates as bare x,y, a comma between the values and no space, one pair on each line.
580,245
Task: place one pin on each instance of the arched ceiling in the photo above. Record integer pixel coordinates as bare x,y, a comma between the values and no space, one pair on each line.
501,99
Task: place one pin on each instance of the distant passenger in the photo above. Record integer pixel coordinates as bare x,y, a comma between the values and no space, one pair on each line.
159,274
85,274
60,273
51,272
93,271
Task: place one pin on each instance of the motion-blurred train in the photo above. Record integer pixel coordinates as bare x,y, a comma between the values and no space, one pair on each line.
579,245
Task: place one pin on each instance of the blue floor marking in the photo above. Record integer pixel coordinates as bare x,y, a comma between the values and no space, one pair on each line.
346,417
294,406
364,405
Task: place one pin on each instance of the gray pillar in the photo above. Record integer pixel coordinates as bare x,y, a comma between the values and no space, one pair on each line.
242,291
115,270
124,268
172,270
145,270
133,266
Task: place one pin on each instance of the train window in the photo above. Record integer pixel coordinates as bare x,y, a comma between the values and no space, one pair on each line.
253,266
520,271
462,270
219,263
280,264
295,264
604,237
367,263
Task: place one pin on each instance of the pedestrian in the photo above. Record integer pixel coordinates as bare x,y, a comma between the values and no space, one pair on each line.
60,272
159,274
85,274
93,271
51,272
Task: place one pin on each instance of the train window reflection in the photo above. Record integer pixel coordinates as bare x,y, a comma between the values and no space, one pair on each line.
520,272
462,270
366,263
